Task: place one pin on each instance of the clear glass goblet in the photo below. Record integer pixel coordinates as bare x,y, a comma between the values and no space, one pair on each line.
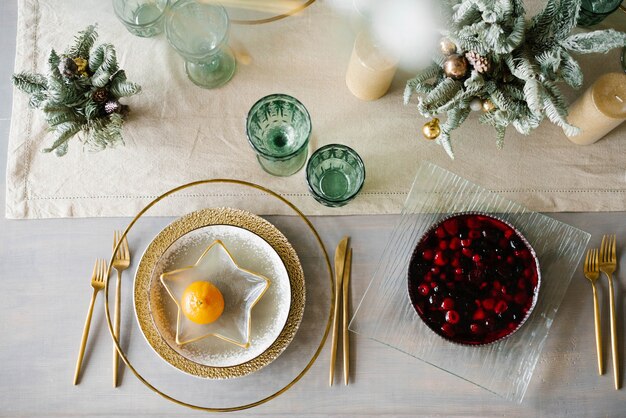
141,17
199,32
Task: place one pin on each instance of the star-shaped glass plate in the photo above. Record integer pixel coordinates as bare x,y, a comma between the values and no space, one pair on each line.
241,289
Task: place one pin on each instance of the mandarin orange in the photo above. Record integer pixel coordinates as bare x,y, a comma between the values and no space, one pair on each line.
202,302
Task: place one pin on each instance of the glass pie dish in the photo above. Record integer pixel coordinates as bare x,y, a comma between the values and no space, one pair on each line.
386,313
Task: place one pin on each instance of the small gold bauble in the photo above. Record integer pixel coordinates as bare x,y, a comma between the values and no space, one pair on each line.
431,130
488,106
447,47
456,66
81,65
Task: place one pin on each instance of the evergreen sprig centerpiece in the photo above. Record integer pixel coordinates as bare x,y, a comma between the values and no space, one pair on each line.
493,59
81,93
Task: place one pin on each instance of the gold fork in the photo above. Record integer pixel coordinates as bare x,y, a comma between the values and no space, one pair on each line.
98,278
608,264
592,273
121,261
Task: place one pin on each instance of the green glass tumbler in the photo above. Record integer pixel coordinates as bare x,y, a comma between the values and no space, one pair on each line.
278,127
593,12
198,31
335,174
141,17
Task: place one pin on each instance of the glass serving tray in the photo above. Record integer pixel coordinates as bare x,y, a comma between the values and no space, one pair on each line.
385,313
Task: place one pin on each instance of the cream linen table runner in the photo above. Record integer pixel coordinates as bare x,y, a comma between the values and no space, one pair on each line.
177,132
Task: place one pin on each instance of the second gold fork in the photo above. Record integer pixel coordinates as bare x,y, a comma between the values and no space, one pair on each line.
121,261
592,273
608,265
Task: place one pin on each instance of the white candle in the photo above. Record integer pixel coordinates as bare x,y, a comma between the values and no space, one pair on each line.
600,109
370,70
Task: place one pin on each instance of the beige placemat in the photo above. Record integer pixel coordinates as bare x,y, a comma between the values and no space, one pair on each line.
179,133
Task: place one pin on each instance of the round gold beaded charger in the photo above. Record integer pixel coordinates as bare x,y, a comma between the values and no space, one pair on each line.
262,248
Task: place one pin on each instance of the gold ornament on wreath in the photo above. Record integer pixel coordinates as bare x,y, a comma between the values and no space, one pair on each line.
447,47
488,106
456,66
431,129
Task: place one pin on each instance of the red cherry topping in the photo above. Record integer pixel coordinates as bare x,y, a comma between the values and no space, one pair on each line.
424,289
474,234
447,304
479,314
448,329
520,298
440,259
473,222
452,317
488,304
476,329
451,226
501,306
473,279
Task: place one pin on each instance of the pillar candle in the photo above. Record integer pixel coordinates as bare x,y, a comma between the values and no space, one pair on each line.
600,109
370,70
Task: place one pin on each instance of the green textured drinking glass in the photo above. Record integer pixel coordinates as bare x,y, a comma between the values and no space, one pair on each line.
278,127
198,31
335,174
141,17
593,12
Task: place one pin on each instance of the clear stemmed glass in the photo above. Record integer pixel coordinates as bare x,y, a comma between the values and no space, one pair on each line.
199,33
141,17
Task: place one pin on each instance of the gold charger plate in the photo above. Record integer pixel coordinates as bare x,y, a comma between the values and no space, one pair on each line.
273,380
144,287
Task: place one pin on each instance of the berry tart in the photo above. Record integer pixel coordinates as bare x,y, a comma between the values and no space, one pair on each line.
473,278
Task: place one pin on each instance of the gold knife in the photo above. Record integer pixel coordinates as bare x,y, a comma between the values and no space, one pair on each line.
346,336
340,260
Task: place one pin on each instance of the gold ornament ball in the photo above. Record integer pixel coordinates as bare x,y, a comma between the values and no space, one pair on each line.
456,66
447,47
431,130
488,106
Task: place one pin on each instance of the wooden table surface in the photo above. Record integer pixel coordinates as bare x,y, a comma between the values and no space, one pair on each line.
44,266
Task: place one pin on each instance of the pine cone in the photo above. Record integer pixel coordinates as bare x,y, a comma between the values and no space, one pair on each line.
100,95
111,106
480,63
68,67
